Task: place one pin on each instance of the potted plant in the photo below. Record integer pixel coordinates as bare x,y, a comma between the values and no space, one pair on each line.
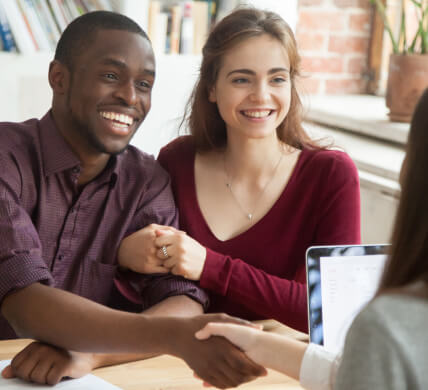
408,64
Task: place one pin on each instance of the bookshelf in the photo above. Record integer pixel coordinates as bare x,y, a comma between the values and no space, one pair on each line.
26,92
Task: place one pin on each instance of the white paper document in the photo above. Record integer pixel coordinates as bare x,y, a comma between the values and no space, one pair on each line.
347,284
88,382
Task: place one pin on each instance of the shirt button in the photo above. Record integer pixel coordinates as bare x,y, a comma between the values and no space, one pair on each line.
75,170
60,257
73,210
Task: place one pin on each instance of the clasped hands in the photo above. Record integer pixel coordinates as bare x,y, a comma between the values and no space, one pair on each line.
162,249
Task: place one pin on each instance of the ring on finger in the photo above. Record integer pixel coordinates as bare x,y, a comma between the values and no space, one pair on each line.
165,252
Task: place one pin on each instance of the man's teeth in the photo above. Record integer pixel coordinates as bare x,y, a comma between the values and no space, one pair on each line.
257,114
121,118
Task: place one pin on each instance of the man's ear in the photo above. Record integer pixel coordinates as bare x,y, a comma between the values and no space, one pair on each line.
212,95
59,77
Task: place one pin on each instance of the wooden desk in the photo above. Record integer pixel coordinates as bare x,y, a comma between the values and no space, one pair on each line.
161,373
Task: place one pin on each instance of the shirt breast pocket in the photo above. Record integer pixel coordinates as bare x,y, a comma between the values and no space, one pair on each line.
96,280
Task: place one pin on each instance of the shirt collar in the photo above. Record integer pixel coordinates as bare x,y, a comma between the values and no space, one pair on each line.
56,153
58,156
111,171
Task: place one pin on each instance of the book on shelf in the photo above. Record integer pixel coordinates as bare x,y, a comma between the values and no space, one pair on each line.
174,26
34,22
186,36
7,43
18,26
58,14
66,11
47,20
81,8
32,25
63,5
153,9
157,27
21,7
202,13
187,27
137,10
175,29
90,5
106,5
72,8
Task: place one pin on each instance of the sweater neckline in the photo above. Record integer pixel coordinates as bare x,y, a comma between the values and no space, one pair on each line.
264,220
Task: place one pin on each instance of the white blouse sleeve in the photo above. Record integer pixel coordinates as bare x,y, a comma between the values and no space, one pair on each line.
319,368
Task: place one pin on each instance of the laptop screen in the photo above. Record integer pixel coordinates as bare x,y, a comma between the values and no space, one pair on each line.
340,281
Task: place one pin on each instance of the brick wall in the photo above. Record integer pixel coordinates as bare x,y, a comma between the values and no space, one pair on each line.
333,38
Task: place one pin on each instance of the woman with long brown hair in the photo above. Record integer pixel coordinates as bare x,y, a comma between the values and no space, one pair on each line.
386,346
253,190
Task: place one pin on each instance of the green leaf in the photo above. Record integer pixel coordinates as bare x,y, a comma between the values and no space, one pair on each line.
382,11
417,3
424,42
403,37
399,44
413,44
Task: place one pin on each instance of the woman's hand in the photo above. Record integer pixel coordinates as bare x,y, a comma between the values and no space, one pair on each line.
137,252
181,254
46,364
279,352
215,361
244,337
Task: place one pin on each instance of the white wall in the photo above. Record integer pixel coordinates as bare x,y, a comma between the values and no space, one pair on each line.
25,92
175,78
377,215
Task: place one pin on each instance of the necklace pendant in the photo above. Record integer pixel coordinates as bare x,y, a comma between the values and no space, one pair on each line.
250,216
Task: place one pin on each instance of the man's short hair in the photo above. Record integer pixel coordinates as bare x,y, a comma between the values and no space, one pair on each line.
81,32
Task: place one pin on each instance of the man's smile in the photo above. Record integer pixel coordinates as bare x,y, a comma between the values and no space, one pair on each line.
117,117
120,123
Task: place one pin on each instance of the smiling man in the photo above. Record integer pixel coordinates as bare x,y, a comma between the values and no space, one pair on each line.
71,188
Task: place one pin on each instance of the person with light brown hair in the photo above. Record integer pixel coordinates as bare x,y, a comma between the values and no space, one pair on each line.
386,346
253,190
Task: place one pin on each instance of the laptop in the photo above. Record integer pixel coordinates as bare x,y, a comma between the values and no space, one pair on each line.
340,281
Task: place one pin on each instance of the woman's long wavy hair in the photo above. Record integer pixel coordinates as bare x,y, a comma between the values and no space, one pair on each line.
203,119
408,261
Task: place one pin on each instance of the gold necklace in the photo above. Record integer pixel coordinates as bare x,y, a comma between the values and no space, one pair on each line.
229,181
